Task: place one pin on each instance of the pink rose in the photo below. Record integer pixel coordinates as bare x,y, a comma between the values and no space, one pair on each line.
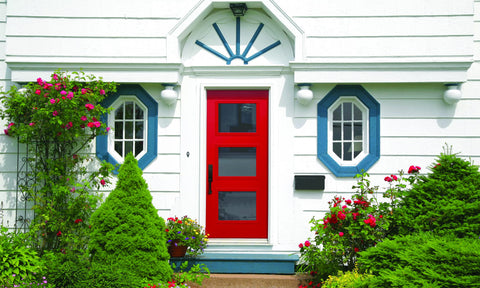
102,182
70,95
307,243
39,81
55,76
55,113
340,234
63,92
89,106
300,245
108,129
38,92
348,201
414,169
102,92
84,118
52,101
84,91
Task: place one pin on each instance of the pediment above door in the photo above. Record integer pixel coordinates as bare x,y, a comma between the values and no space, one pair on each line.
223,39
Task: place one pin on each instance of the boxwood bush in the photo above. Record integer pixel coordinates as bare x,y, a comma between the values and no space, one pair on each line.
127,242
423,260
445,201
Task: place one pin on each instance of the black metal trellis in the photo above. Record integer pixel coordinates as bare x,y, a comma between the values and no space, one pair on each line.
25,178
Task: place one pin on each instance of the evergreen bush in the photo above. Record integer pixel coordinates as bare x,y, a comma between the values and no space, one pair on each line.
127,242
423,260
445,201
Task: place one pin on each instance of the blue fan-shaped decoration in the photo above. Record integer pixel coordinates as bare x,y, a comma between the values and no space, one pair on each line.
231,56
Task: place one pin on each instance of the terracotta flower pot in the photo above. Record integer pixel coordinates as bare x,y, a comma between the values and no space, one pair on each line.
176,250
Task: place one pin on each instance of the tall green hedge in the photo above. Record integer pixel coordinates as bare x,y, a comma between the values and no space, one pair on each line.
423,260
446,201
127,243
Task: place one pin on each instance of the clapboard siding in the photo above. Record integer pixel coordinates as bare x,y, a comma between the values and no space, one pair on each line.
379,8
414,108
407,127
89,27
100,9
337,27
411,146
385,166
85,46
408,46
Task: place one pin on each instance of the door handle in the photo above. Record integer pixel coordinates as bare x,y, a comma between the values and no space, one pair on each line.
210,178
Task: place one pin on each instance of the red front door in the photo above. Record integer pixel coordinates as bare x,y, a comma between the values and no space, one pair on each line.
237,163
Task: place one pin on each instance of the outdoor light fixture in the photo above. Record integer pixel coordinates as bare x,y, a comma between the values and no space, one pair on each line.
169,95
304,95
238,9
453,94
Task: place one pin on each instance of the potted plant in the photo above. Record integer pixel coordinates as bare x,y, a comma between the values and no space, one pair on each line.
187,235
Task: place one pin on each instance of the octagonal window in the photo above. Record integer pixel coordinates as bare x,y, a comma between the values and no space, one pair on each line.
348,130
134,119
348,133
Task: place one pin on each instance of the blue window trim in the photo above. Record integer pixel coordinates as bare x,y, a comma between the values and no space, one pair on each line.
374,130
152,105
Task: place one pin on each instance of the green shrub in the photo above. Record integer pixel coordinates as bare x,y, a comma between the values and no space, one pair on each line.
445,201
349,279
128,236
67,270
18,262
423,260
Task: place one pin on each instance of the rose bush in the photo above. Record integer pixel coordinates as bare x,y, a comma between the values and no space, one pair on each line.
352,225
56,119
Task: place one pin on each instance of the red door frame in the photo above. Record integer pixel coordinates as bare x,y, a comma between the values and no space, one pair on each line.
237,228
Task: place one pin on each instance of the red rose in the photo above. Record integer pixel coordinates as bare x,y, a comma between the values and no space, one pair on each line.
307,243
300,245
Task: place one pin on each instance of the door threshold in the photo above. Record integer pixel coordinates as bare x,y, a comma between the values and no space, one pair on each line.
237,241
217,245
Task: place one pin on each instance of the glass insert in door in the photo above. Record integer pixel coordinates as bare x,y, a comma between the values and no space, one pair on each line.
237,117
237,161
237,206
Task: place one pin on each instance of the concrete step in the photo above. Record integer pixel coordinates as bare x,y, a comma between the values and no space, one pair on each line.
250,281
244,263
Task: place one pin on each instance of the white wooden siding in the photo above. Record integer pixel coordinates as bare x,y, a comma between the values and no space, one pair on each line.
415,122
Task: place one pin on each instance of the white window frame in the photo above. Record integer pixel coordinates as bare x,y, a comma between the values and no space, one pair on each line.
365,132
111,123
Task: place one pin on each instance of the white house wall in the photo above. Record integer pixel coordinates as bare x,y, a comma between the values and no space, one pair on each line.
415,121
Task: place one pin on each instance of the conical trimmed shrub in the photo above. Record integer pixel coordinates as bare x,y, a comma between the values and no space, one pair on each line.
445,201
128,244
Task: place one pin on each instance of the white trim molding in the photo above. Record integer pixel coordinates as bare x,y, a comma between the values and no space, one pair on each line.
27,70
381,72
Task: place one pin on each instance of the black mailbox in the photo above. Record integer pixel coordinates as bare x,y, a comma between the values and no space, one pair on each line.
309,182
